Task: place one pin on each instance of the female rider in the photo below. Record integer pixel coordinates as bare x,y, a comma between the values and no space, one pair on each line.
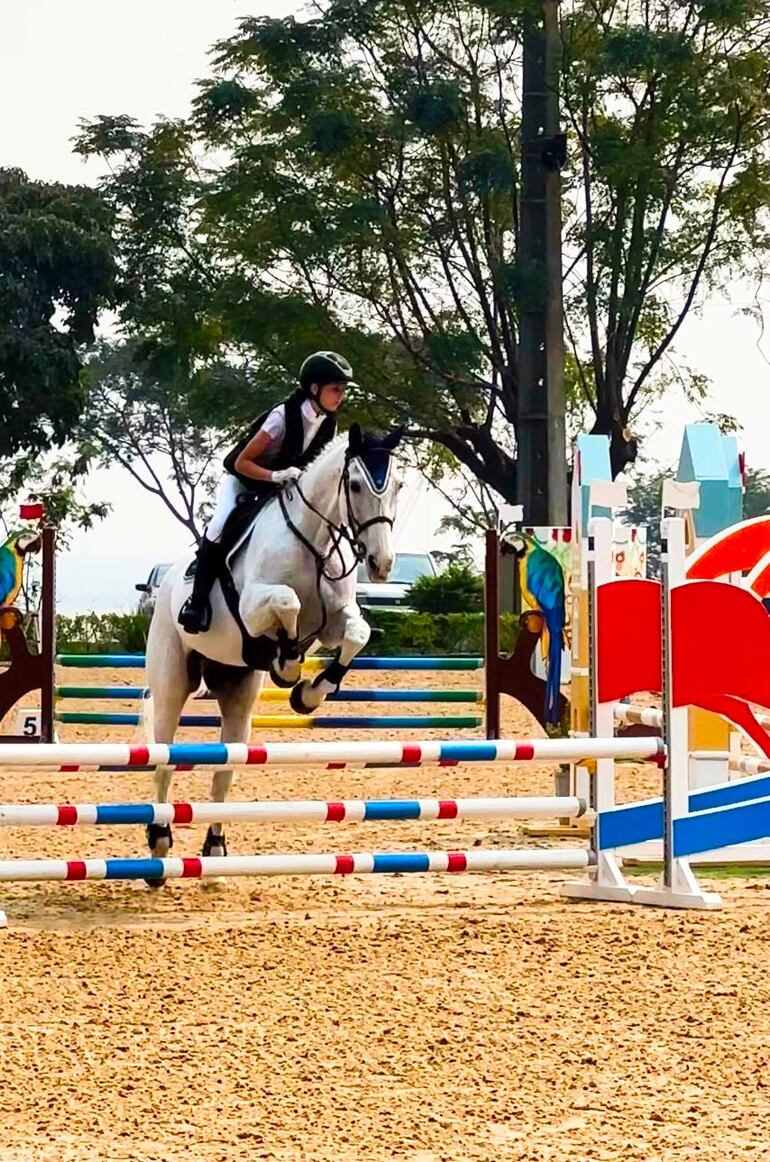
272,453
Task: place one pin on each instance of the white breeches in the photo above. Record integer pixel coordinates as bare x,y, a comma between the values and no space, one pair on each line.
229,491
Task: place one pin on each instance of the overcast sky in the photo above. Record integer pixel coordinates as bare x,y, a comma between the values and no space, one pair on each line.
63,60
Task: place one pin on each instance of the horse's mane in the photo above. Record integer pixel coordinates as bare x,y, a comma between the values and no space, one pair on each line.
326,453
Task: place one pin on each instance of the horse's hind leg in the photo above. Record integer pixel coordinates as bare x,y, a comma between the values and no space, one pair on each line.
172,676
236,697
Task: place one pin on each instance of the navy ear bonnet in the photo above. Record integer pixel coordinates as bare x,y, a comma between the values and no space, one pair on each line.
374,452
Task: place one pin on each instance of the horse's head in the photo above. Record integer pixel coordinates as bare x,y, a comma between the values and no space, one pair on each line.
372,483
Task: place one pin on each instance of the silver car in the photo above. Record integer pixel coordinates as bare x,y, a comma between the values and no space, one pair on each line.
149,588
391,594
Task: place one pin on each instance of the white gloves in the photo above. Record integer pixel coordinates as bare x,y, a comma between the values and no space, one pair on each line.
286,475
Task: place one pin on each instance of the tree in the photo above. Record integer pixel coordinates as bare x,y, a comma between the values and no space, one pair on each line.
155,427
756,498
56,273
56,481
670,111
352,180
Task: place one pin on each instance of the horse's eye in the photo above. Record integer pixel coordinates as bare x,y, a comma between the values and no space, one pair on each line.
355,486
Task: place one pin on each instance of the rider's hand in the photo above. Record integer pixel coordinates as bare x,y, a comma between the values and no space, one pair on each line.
286,475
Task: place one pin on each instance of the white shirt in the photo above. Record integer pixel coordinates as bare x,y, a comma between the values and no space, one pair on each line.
275,427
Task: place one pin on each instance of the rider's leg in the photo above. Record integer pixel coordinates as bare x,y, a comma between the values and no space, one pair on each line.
195,614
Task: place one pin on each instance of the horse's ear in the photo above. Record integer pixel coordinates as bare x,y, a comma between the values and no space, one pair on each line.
355,440
393,439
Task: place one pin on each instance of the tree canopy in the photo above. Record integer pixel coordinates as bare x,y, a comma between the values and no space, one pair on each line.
56,273
352,181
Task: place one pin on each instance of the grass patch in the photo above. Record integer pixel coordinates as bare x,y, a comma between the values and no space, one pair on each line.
722,871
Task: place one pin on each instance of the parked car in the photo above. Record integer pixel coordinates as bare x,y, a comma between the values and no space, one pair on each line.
392,594
149,588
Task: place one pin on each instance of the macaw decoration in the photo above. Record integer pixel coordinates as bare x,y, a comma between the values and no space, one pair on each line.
542,587
12,555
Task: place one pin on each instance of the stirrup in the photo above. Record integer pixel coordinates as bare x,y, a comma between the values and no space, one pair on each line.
200,617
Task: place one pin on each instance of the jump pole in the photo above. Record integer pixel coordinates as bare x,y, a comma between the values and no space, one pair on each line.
310,665
76,755
349,863
293,811
268,694
285,721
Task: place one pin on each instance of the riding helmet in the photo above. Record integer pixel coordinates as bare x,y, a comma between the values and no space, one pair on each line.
325,367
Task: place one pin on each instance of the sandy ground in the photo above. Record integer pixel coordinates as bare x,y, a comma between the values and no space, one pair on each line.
408,1018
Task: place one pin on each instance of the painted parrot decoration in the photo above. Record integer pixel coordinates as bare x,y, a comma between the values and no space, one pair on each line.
542,587
12,555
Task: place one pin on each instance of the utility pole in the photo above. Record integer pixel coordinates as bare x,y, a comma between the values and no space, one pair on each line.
541,439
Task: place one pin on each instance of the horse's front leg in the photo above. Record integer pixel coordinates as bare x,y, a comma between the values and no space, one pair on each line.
348,633
275,609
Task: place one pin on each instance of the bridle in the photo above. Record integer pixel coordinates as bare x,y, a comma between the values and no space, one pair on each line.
340,533
358,527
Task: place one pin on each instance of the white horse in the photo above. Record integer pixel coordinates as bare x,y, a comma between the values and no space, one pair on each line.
294,584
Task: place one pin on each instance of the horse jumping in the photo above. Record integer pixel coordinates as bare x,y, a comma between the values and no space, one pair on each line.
294,584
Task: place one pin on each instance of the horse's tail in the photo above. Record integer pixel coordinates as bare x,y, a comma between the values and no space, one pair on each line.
148,716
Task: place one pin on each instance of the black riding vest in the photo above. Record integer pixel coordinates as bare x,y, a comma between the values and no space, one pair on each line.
290,454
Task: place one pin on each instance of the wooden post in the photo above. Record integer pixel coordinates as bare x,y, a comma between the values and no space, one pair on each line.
491,632
48,635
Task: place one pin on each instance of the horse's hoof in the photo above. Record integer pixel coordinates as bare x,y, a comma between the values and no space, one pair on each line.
215,845
282,683
214,884
160,840
156,883
297,698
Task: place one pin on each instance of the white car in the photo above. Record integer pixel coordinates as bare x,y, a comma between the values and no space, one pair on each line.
391,594
149,588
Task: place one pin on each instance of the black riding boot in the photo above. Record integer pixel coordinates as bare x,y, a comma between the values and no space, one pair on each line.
195,614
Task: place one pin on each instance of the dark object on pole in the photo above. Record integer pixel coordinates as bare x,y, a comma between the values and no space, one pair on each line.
541,440
554,152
